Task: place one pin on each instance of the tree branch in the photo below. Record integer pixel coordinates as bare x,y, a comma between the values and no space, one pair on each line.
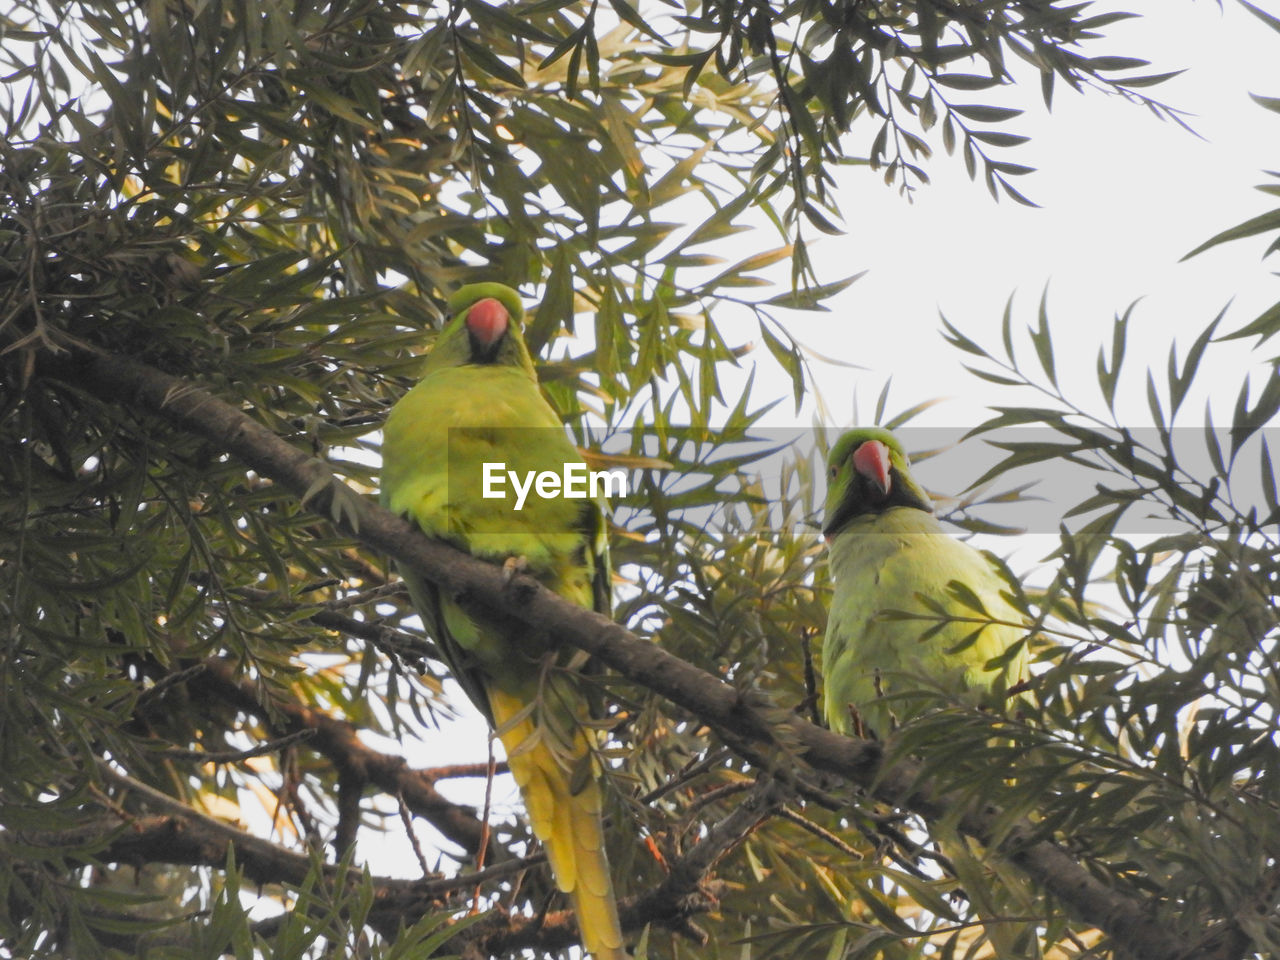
358,762
478,585
684,893
395,643
182,835
238,756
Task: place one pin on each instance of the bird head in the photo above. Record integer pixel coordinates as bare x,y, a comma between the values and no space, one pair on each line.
868,473
485,329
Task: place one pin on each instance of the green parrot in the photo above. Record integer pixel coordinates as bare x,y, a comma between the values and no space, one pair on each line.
479,403
886,551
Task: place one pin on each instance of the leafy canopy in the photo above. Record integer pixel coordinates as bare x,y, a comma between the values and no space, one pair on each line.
208,689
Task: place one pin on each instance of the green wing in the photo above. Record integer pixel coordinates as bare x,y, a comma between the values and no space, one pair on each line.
869,656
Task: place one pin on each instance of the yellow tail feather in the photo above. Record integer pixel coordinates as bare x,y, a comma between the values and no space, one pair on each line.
567,823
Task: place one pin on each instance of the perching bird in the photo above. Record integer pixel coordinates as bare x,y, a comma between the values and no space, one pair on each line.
887,552
479,402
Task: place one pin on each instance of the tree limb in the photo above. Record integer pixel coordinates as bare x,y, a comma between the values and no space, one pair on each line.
395,643
179,834
479,585
359,763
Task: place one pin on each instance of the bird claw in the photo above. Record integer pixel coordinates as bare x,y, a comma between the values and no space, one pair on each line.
512,567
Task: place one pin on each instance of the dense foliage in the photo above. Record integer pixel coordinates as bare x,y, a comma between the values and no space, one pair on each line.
208,688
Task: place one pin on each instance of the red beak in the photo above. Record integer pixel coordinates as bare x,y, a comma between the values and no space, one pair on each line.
871,460
487,321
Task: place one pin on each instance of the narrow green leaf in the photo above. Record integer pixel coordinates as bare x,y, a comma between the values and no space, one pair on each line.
1108,378
693,58
1250,228
1013,169
999,138
1270,20
993,377
1211,442
1264,326
1150,80
1239,417
489,62
720,224
1108,64
810,298
674,182
756,261
1017,195
1153,404
788,358
964,593
628,14
1006,329
881,401
573,41
966,81
495,15
1021,455
820,220
984,113
1248,421
1103,20
619,125
1042,340
1268,479
1179,383
556,308
1270,103
910,413
959,340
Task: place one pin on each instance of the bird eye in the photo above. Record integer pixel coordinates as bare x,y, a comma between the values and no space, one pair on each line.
835,471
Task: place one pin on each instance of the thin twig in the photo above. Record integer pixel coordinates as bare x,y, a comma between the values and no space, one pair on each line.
692,770
457,771
406,818
492,766
236,756
810,702
822,833
167,683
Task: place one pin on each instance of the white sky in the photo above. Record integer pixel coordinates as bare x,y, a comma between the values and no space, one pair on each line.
1123,196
